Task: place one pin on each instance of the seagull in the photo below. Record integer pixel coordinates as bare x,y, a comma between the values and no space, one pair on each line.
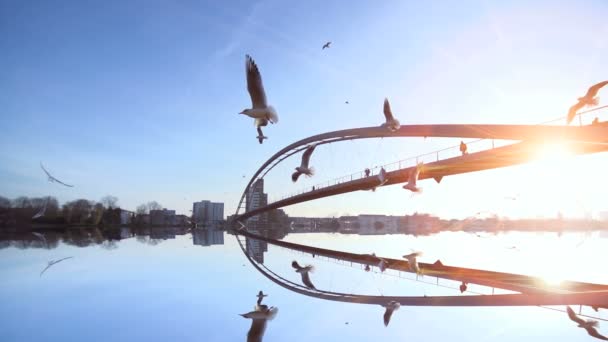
303,168
41,237
260,109
589,325
259,317
345,102
390,307
261,135
53,179
261,296
42,210
589,99
304,272
412,262
463,148
391,123
463,287
326,46
413,178
51,263
382,176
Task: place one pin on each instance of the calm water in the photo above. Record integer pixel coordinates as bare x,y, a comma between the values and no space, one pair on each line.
163,287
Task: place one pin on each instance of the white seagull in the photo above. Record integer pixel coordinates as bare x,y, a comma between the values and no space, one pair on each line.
261,135
391,123
304,168
42,210
304,273
413,262
589,99
53,179
51,263
259,317
589,325
413,178
390,307
260,109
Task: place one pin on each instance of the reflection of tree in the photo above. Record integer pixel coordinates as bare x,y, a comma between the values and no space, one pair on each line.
77,211
109,244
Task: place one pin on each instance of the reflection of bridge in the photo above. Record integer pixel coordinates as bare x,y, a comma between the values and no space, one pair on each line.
532,291
580,140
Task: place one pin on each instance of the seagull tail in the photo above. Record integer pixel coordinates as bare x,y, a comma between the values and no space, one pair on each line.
272,114
311,171
594,101
272,312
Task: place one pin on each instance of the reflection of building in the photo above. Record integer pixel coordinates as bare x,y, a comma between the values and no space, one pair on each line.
207,237
162,217
207,212
256,198
256,248
378,224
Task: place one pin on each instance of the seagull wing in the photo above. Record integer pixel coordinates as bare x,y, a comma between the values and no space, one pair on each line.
306,280
295,176
46,268
595,88
62,183
254,84
413,178
45,171
388,114
572,111
593,332
573,316
387,316
306,156
256,331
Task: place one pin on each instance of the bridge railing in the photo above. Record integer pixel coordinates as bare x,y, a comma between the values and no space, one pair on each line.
433,156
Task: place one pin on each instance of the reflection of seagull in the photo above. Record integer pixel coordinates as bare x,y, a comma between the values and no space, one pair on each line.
51,263
261,296
413,262
304,168
391,123
326,46
382,177
304,273
413,178
259,317
390,307
463,287
261,135
589,99
260,109
53,179
589,325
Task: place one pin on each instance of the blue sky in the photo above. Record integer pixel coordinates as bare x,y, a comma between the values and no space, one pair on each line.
140,99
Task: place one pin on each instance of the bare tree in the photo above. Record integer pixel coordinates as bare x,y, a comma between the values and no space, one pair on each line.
153,205
141,209
22,202
5,202
110,202
78,211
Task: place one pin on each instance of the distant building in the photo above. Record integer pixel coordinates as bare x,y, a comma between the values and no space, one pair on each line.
256,198
378,224
162,217
207,212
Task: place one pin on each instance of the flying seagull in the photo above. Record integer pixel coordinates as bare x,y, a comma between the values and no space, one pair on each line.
413,178
391,123
382,178
261,135
42,210
589,99
304,273
589,325
413,262
53,179
382,265
304,168
260,109
326,46
390,307
51,263
345,102
41,237
463,287
259,317
261,296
